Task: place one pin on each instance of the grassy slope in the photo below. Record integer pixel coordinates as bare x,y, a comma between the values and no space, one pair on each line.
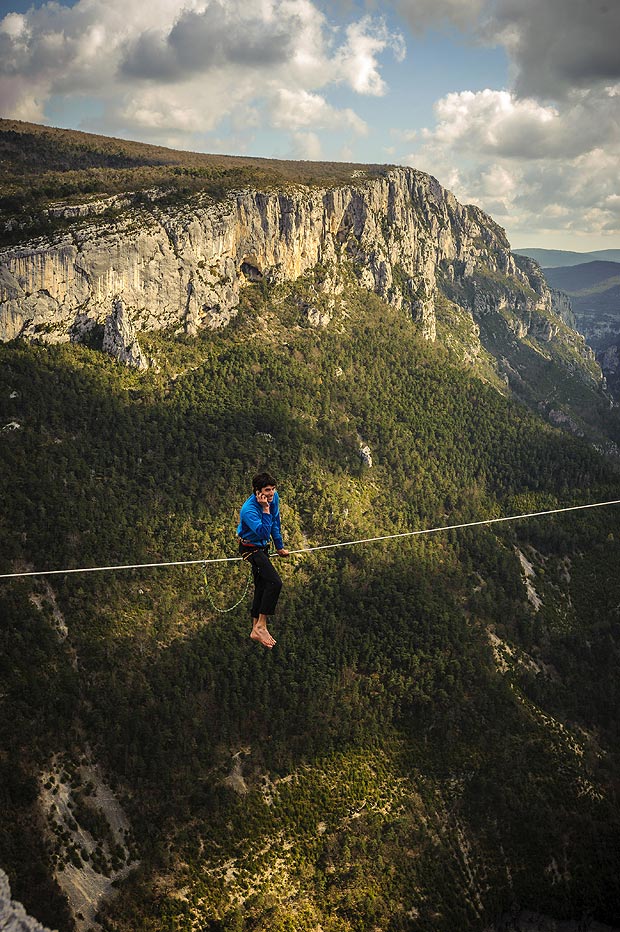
396,779
53,149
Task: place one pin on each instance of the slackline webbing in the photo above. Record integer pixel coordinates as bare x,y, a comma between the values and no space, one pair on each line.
344,543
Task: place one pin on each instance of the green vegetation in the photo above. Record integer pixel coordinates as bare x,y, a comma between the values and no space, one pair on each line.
496,283
422,750
42,166
544,362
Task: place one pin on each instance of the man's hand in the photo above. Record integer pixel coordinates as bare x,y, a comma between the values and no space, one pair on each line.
283,552
261,498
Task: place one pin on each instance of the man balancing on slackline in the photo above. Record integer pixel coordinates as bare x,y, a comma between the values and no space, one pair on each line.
259,521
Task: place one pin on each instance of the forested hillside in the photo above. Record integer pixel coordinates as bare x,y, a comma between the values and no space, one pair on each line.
433,742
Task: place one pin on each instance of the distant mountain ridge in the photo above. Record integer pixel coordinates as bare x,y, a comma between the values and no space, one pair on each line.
556,258
594,291
579,279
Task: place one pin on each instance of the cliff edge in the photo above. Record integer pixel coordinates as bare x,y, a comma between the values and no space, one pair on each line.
183,266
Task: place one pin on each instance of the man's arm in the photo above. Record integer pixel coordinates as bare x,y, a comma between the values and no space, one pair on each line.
253,514
276,530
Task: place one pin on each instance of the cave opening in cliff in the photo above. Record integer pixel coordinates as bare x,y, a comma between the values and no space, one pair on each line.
251,272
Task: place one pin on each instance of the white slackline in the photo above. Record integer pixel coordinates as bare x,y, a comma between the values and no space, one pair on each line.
344,543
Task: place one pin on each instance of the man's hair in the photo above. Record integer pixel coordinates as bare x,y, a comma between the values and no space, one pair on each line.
261,480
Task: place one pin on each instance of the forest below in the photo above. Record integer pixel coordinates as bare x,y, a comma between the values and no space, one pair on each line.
426,748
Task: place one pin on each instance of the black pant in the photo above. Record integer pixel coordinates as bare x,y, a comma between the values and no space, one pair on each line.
267,583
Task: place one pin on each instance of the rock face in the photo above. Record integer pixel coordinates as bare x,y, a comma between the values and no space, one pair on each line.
119,338
402,233
366,455
561,305
609,361
13,916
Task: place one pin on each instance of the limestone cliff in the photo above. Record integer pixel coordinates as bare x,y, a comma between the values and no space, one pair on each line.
609,361
119,338
562,306
182,267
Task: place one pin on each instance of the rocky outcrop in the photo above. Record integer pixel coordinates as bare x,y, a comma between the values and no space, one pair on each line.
13,916
119,338
401,233
73,211
89,835
609,361
561,305
366,455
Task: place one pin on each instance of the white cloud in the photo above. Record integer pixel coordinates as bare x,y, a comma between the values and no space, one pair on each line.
526,163
14,25
201,41
68,50
358,59
498,123
184,66
612,204
306,146
294,109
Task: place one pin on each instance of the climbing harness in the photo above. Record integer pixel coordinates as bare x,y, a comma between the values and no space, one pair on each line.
344,543
251,548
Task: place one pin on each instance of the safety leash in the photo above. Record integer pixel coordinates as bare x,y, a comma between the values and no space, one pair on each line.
216,608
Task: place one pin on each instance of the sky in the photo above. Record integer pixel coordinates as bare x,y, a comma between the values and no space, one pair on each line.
513,105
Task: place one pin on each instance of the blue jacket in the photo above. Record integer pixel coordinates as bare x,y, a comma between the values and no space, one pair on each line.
258,527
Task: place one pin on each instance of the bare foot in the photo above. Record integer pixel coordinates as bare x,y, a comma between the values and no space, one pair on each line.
259,633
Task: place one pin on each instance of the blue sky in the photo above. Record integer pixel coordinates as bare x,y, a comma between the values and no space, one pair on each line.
511,104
